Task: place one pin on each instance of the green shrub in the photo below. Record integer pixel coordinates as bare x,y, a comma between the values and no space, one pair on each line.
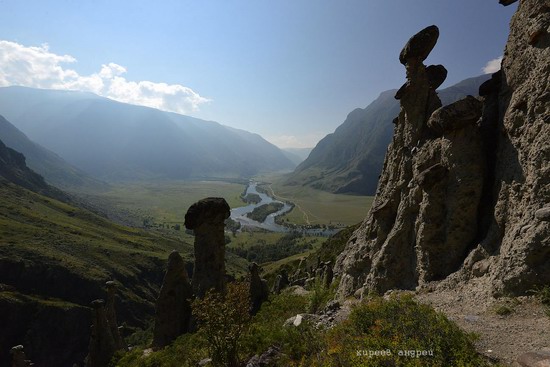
543,295
267,325
320,295
186,351
398,332
223,319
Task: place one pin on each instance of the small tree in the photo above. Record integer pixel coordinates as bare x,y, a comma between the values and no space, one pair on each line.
223,319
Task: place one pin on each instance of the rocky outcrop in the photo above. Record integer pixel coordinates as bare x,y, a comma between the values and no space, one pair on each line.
173,308
206,218
465,187
268,358
516,242
535,359
259,291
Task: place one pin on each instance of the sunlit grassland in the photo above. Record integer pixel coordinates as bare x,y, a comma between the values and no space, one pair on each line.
168,201
320,207
37,228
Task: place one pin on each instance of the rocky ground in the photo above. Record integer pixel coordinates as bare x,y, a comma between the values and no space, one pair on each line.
502,337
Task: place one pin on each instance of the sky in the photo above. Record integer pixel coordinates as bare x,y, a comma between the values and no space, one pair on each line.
289,70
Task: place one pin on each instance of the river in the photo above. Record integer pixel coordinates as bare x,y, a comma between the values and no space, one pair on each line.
239,215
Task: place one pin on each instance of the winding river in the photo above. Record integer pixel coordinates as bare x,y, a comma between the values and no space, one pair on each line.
239,215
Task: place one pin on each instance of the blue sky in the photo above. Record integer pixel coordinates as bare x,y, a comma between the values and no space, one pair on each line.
290,70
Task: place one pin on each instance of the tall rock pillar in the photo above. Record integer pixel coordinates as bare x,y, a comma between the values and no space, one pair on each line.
206,218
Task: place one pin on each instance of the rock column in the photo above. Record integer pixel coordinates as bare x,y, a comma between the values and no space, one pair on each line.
173,309
102,344
206,218
111,315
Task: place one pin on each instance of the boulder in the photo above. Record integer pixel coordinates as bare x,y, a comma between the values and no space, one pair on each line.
457,115
267,359
535,359
420,45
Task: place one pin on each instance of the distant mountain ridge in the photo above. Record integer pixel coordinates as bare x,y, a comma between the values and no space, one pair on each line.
53,168
13,169
114,141
350,159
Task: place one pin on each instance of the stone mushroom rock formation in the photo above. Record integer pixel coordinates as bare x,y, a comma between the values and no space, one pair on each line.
206,218
465,188
173,308
424,215
102,344
19,359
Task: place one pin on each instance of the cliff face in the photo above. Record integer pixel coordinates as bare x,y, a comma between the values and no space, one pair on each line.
465,187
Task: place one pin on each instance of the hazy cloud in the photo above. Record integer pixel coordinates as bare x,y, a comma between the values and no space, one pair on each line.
292,141
492,66
39,68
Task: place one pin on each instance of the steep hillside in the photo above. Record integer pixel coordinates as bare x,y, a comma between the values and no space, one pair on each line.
55,258
117,141
53,168
350,159
465,191
13,168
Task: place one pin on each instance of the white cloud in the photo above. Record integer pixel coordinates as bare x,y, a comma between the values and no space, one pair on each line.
39,68
492,66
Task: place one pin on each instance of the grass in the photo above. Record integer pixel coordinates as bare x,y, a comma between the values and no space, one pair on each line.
55,242
320,207
168,201
408,333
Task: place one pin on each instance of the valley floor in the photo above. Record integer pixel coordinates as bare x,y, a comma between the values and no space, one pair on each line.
505,337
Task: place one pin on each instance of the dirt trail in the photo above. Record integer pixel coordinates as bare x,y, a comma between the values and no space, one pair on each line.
506,337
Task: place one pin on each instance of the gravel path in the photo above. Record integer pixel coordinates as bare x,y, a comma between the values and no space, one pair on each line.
502,337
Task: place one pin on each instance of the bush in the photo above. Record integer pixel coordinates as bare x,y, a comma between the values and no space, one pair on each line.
398,332
320,295
223,319
186,351
543,295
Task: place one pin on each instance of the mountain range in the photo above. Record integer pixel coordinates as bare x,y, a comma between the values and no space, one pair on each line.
115,141
350,159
